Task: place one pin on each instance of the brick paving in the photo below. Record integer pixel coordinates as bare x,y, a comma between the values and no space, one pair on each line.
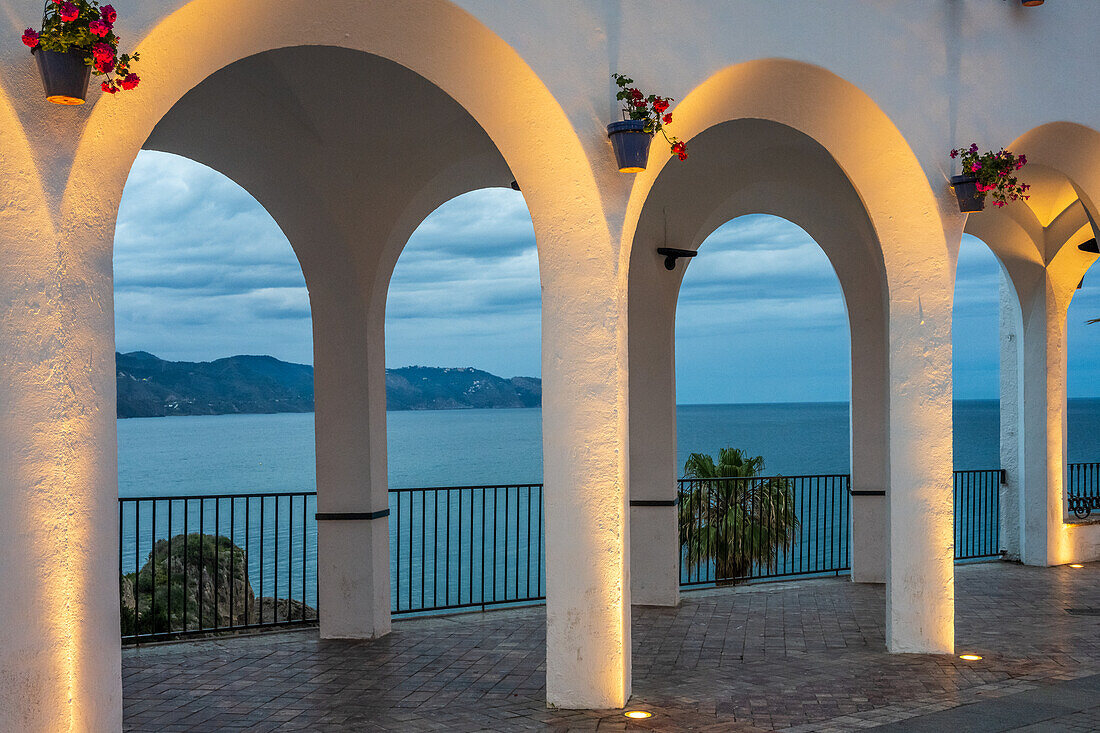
796,656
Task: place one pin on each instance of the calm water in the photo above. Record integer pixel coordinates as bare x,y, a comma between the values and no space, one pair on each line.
241,454
256,453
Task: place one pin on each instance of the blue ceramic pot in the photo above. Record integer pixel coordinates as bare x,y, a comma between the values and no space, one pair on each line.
966,191
65,76
631,144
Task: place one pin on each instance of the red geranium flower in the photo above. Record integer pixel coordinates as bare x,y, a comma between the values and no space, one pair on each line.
98,28
107,12
30,38
651,109
103,52
69,12
130,81
108,87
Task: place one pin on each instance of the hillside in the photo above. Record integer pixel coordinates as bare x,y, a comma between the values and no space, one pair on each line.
152,387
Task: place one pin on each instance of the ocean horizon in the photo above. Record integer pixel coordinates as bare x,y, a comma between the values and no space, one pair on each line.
210,454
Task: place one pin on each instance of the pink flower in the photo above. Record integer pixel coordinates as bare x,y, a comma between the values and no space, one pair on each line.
975,167
107,12
103,52
130,81
998,203
30,38
104,67
954,153
69,12
98,28
108,87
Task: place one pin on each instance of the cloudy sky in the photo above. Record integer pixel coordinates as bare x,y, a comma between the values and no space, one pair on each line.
202,272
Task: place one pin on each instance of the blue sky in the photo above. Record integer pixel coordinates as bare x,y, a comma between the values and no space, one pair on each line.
202,272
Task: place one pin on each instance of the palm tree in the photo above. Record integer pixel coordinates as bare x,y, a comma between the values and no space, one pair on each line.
731,517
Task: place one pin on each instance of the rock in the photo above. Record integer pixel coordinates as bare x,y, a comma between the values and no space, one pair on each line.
188,583
208,589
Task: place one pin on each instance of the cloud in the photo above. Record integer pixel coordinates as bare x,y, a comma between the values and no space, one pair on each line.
202,272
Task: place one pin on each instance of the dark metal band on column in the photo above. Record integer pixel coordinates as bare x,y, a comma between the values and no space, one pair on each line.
351,516
654,502
866,493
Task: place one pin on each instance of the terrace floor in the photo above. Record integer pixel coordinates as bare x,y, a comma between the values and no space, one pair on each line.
794,656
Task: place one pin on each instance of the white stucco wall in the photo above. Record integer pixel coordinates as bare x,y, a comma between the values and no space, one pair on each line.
886,88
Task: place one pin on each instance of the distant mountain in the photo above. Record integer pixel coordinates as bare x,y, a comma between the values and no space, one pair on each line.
152,387
432,388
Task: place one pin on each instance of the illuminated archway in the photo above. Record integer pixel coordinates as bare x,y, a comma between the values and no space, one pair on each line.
492,104
1037,244
777,136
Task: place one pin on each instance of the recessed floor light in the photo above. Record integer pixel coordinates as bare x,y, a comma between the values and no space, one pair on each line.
638,714
1076,565
970,657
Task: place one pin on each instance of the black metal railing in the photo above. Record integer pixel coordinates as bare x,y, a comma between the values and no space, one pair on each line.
734,529
195,564
1083,489
466,546
977,513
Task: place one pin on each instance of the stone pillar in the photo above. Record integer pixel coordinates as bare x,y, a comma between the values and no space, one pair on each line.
654,530
1042,382
1010,491
60,659
584,472
869,414
353,548
920,598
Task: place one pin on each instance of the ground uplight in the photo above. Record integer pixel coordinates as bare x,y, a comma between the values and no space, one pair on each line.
638,714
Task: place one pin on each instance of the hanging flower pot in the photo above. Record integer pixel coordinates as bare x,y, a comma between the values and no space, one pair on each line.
988,174
631,144
966,191
77,40
642,117
65,76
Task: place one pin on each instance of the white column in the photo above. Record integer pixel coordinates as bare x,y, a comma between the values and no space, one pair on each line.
920,598
869,416
654,530
353,552
1042,427
1010,491
584,472
60,658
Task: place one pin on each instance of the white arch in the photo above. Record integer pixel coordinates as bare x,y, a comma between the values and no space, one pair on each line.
68,384
859,146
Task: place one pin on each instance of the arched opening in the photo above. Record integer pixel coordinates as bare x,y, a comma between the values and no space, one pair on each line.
464,408
250,101
347,214
212,323
1037,244
774,136
763,366
981,288
1083,380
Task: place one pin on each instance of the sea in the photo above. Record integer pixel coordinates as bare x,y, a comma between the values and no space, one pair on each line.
241,454
257,454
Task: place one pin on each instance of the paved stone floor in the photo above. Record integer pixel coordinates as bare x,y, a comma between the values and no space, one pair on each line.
795,656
